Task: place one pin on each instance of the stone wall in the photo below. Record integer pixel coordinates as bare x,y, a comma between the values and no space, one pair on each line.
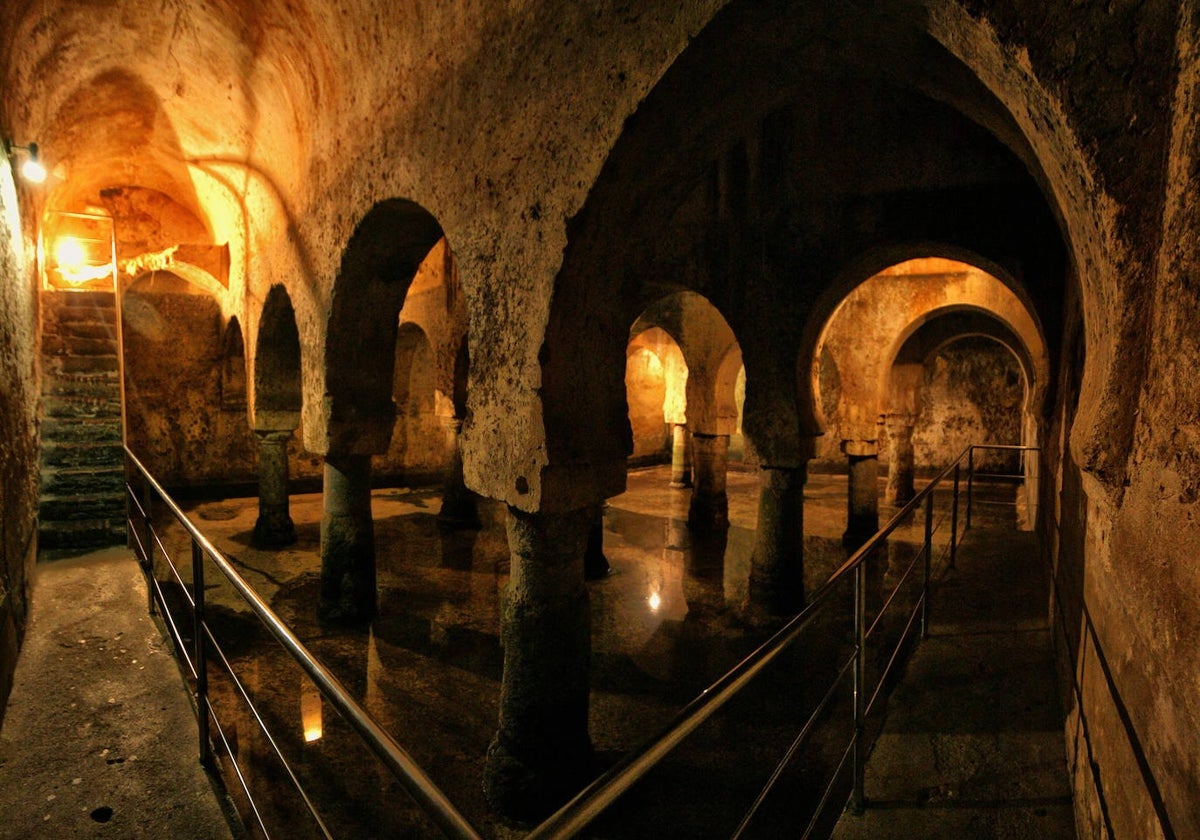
177,421
18,428
973,393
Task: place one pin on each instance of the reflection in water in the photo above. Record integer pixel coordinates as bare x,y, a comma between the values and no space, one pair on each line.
310,710
664,625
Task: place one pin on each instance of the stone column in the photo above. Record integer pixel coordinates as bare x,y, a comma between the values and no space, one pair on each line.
862,496
709,509
777,565
681,462
274,527
458,503
900,459
595,564
542,753
347,540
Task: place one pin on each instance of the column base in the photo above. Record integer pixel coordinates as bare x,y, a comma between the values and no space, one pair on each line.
708,513
273,531
459,515
595,564
531,787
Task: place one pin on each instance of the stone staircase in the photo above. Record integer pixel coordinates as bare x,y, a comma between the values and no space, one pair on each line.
82,502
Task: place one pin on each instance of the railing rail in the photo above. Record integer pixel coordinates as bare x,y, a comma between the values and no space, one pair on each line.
401,765
593,800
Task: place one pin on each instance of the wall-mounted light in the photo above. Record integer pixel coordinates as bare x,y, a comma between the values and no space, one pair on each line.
32,169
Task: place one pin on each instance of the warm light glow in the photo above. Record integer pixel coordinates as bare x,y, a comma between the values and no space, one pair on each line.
655,601
71,261
310,711
69,254
33,171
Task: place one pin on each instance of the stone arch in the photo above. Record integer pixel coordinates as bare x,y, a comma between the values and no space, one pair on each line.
278,395
709,347
655,382
1007,299
871,323
415,375
942,327
693,187
378,265
233,368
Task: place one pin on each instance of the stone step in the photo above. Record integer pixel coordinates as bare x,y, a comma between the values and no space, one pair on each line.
54,536
75,365
82,455
105,405
106,384
82,329
81,429
82,507
72,345
71,482
79,306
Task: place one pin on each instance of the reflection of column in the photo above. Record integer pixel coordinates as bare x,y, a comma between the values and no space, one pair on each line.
274,528
900,459
862,496
542,753
709,509
347,539
681,463
777,565
595,564
458,503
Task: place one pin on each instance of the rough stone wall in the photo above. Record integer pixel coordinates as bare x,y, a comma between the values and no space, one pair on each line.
176,420
854,377
646,389
1127,578
973,393
18,427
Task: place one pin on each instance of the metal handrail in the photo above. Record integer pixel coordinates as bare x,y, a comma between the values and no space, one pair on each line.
593,800
403,768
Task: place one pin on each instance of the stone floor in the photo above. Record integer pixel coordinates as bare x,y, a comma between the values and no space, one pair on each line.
973,743
99,737
665,624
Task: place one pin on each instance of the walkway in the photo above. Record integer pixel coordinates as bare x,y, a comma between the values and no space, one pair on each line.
972,746
99,738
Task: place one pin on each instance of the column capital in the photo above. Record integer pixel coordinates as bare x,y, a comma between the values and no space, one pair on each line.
861,448
273,435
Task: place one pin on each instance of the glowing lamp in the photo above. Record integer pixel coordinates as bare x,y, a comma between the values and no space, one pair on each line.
32,169
78,251
655,601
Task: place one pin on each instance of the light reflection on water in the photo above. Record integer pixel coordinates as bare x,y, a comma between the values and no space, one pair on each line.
665,624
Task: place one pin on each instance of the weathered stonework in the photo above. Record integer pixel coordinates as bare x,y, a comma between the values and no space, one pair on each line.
561,154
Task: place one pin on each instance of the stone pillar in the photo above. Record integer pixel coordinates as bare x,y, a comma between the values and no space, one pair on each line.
274,527
777,565
709,509
681,462
542,753
347,540
862,496
900,459
595,564
458,503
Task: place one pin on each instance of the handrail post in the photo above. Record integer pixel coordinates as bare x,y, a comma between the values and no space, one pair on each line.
928,564
954,521
970,482
201,654
858,800
148,544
